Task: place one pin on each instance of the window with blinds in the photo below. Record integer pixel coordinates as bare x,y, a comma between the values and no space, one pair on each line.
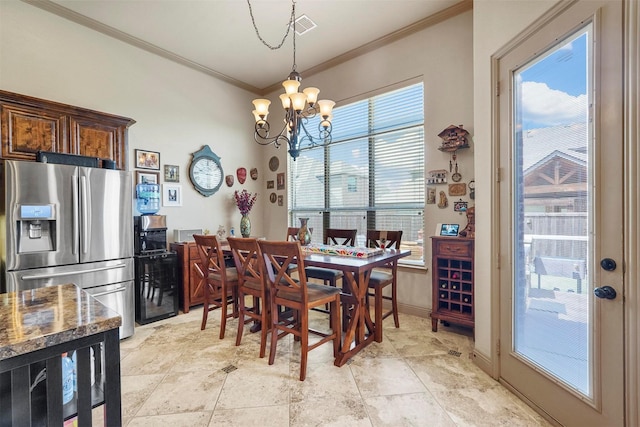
371,176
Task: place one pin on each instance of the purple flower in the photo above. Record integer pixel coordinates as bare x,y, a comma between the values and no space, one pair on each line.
245,201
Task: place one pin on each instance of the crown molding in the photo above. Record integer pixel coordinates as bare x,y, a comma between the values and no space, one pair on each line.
63,12
73,16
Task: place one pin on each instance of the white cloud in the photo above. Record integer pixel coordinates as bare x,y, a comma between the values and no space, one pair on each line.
551,107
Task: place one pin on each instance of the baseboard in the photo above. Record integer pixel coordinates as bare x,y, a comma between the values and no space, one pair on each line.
414,310
483,362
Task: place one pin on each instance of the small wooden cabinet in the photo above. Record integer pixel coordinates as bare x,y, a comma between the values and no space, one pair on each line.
191,284
452,281
31,124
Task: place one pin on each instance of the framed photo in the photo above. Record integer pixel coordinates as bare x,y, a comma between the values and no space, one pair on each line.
280,200
171,195
147,159
280,181
171,173
147,177
270,184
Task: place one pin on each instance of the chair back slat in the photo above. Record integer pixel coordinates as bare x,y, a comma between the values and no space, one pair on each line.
245,255
211,257
338,236
393,238
292,234
278,256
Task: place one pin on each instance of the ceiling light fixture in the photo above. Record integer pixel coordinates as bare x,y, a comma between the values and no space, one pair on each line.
299,107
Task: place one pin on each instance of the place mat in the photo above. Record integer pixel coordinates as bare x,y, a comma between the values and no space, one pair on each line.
342,250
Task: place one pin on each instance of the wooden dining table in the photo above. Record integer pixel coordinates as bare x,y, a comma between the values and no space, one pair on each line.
360,331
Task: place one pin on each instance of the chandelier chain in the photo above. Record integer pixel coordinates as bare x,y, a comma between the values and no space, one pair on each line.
286,34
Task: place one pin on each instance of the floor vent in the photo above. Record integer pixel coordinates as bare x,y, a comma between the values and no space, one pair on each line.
229,368
454,353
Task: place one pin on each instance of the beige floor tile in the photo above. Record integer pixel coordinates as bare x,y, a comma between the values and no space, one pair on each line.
414,409
264,416
135,391
249,388
324,382
184,392
189,419
332,413
381,377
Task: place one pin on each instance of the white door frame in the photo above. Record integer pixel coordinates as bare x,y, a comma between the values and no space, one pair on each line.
631,178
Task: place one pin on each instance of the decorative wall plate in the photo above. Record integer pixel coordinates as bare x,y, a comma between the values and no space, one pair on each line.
273,197
229,179
274,164
253,173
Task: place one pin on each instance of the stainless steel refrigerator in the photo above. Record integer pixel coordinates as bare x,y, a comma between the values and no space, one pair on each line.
69,224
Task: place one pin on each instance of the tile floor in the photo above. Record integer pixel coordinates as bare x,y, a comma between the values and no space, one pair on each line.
173,374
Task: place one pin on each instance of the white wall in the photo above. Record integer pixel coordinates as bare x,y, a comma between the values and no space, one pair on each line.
442,56
177,110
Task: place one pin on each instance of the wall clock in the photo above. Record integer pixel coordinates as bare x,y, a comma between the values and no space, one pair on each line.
205,171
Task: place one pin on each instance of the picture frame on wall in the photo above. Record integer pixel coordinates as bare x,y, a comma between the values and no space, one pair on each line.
280,181
171,173
147,177
147,159
171,195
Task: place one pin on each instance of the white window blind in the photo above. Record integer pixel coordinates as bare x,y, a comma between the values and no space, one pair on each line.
371,176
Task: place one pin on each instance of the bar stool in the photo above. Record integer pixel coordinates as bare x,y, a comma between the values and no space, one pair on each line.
220,282
383,277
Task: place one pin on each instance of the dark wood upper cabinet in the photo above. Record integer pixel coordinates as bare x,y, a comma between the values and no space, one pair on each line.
31,124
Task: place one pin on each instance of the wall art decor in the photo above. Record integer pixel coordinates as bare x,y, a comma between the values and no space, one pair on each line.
270,184
460,206
280,200
147,159
253,173
147,177
431,195
274,164
172,195
229,179
443,202
280,181
459,189
438,176
171,173
273,197
241,173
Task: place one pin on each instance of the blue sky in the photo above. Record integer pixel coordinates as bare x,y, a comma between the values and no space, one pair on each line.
554,88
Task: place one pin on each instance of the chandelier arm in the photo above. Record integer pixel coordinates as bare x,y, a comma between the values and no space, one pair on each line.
286,34
262,137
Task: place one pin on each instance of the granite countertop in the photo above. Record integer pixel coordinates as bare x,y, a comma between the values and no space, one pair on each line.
38,318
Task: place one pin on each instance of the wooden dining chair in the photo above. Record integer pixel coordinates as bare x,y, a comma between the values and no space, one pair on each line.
220,282
383,277
334,236
251,283
298,296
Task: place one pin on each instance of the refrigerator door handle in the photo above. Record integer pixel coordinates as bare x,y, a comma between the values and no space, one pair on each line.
100,294
85,214
69,273
76,225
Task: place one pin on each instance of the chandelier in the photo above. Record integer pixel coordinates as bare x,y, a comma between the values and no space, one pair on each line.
299,107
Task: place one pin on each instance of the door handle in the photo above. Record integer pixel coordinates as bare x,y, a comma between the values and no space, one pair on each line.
606,292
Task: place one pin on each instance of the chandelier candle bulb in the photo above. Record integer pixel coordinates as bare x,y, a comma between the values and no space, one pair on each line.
312,95
262,106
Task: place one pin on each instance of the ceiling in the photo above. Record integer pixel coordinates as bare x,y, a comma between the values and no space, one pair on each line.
218,38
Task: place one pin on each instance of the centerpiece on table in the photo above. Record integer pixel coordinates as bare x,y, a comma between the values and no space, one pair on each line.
245,201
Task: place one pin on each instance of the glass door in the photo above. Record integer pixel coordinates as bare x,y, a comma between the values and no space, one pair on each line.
563,198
